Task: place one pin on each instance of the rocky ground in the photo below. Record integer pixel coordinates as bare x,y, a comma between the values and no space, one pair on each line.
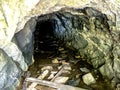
64,67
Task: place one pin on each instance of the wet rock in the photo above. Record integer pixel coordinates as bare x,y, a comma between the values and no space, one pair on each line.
88,79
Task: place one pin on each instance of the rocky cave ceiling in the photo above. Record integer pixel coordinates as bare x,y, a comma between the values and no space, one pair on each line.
90,27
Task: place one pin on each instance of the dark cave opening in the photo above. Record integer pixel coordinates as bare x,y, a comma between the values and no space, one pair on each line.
44,36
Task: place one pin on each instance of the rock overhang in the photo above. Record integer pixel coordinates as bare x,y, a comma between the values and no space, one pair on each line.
100,43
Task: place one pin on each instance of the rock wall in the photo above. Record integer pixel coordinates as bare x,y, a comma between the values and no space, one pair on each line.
97,33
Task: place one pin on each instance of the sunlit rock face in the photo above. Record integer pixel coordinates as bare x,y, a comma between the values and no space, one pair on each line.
89,27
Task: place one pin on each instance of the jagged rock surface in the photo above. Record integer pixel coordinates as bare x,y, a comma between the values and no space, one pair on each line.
94,32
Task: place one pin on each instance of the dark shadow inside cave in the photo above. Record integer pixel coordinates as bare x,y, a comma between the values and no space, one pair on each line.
44,37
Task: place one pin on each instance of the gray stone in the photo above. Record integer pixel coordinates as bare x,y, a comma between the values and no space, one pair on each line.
107,71
88,79
9,74
12,50
3,59
25,41
84,69
79,42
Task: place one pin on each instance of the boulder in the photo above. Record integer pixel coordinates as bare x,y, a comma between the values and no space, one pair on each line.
88,79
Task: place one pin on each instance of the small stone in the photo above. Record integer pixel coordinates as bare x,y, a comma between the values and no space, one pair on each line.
67,67
88,79
77,56
47,68
61,79
55,61
64,62
84,70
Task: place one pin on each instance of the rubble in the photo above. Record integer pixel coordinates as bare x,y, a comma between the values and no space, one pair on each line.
62,74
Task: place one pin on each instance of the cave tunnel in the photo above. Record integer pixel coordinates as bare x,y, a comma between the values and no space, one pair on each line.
69,38
44,36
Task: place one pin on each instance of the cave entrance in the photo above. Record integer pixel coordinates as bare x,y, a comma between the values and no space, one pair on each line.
44,37
59,43
51,52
